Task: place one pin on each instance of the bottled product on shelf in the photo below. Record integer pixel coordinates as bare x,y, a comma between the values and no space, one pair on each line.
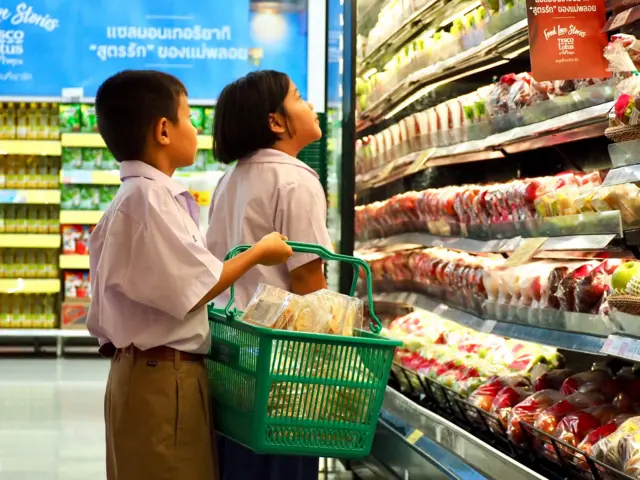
28,263
28,311
20,171
29,121
29,218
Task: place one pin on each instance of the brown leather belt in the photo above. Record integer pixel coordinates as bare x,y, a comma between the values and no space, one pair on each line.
157,353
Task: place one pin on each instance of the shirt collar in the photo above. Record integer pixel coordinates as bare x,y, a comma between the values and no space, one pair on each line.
270,155
136,168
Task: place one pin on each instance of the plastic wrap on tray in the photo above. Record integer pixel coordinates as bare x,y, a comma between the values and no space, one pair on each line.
341,313
484,395
548,419
506,399
276,308
621,449
527,410
592,380
552,379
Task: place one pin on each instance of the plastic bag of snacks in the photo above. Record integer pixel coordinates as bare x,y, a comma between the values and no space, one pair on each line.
627,106
621,449
276,308
340,313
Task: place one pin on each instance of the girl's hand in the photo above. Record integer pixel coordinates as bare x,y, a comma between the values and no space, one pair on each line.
272,250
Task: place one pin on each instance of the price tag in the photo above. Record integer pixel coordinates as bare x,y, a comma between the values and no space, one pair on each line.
386,170
72,95
527,248
613,345
626,174
420,161
414,437
487,326
620,19
202,197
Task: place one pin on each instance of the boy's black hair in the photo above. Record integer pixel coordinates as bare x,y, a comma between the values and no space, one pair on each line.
128,105
241,124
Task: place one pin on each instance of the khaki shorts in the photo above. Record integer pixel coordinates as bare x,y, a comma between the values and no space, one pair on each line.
157,418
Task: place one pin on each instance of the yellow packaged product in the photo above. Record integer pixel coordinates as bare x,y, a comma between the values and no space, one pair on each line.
583,201
621,449
276,308
342,313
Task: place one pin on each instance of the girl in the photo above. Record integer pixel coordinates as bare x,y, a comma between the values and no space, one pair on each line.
262,121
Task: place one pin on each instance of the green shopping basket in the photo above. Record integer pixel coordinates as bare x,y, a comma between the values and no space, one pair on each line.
296,393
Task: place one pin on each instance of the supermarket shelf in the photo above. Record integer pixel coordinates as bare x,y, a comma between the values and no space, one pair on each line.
573,331
575,126
39,285
80,217
589,243
30,147
74,262
455,243
44,332
29,240
494,51
90,177
205,142
94,140
410,433
35,196
82,140
409,28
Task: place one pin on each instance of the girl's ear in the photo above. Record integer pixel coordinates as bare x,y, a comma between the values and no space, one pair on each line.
277,123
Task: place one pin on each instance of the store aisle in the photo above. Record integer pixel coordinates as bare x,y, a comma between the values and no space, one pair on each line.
51,419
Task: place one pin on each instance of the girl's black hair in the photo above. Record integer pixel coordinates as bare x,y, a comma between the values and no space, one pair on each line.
241,123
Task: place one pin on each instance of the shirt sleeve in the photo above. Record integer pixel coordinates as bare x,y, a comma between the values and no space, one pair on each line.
165,265
301,215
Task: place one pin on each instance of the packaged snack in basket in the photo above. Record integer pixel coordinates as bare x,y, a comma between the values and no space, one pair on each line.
276,308
343,313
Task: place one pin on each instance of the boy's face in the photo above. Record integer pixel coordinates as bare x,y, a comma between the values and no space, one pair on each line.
183,137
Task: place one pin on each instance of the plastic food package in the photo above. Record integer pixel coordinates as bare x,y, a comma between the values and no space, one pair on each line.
567,287
549,419
484,396
621,449
341,313
591,290
506,399
592,380
276,308
552,379
527,410
574,427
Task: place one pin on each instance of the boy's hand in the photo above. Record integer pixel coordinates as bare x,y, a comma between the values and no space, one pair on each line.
272,250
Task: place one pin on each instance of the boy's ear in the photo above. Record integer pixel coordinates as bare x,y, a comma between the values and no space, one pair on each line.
277,123
161,132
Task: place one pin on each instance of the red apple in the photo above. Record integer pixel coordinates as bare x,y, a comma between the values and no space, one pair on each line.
527,410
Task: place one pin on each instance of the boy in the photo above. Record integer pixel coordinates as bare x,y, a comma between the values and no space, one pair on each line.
152,277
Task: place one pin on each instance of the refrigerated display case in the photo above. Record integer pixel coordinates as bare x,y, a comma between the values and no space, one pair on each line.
494,213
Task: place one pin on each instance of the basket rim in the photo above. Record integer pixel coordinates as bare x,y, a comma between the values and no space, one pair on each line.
217,315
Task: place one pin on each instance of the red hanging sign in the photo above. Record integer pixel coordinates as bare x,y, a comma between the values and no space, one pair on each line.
566,39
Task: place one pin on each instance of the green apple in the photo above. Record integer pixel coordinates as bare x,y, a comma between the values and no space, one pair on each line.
623,274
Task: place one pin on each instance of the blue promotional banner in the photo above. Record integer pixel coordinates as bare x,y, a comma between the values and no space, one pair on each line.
335,52
48,45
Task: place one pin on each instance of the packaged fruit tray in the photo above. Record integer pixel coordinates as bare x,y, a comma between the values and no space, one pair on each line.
573,462
537,449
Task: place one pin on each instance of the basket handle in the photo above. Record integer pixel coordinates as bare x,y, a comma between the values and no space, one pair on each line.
325,254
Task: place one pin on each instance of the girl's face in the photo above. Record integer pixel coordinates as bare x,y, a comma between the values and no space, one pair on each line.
302,122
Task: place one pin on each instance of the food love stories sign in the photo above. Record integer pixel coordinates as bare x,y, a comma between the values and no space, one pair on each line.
566,39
